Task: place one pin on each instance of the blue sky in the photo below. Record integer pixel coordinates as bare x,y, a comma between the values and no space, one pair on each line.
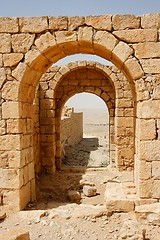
80,8
77,7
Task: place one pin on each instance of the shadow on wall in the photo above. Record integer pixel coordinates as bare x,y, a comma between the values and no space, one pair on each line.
89,152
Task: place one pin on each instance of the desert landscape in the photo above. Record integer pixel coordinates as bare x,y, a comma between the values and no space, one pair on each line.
93,149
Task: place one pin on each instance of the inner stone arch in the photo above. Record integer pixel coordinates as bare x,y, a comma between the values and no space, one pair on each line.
85,131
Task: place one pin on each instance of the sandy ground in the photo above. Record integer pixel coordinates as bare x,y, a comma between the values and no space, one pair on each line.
55,217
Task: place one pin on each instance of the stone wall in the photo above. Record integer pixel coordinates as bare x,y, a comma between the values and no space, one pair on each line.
29,46
72,129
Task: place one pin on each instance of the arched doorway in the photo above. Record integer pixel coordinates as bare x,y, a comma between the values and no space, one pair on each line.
85,131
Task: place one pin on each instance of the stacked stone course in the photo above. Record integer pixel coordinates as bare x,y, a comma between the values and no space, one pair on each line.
29,46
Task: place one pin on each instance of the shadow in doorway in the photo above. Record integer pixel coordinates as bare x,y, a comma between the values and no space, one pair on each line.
89,152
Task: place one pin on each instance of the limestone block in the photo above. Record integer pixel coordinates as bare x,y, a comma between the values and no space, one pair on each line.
75,22
107,40
31,171
2,76
44,41
9,142
9,25
151,212
102,22
25,141
2,127
49,94
105,97
85,34
26,156
133,68
19,71
122,51
1,62
12,59
24,196
150,20
145,169
146,109
124,103
74,195
22,42
120,205
156,170
15,234
5,43
147,50
9,178
33,24
124,121
10,90
149,150
89,191
65,36
146,129
156,189
11,158
10,110
151,65
137,35
145,188
31,55
58,23
125,22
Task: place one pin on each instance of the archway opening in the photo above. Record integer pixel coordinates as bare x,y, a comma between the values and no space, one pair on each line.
85,131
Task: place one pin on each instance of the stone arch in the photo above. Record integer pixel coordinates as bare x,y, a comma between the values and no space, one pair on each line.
49,48
121,118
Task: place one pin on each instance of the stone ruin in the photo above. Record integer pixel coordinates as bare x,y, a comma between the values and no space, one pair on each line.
32,96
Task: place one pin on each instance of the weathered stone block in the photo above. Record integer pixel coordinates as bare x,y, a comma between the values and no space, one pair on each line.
58,23
9,25
9,178
147,50
145,188
151,65
5,43
145,170
119,205
21,43
9,142
89,191
146,109
99,22
10,90
146,129
10,110
137,35
2,76
33,24
44,41
74,195
149,150
133,68
75,22
156,170
123,51
150,20
12,59
125,22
